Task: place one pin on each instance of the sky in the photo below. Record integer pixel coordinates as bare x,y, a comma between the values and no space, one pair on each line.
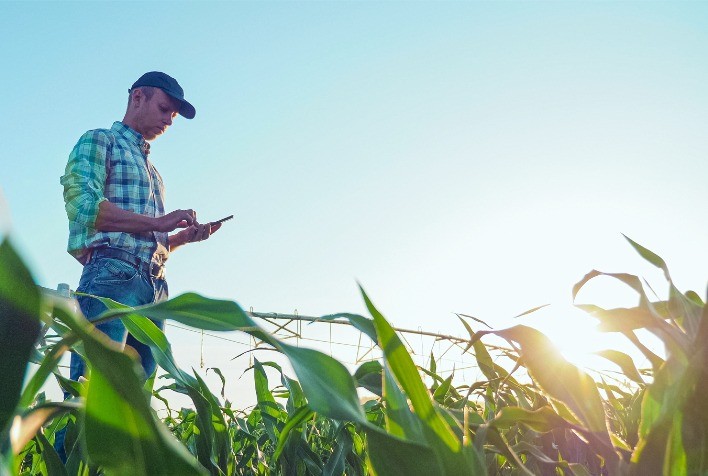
450,157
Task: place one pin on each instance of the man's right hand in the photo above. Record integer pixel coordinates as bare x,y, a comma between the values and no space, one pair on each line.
176,219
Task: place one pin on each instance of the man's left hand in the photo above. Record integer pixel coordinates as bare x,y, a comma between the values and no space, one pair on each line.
193,233
200,232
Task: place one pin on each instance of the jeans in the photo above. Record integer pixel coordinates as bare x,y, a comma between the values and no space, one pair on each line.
127,284
124,283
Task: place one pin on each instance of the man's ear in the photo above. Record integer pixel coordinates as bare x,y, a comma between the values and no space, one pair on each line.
136,98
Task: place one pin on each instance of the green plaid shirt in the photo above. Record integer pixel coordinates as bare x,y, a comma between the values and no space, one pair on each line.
112,164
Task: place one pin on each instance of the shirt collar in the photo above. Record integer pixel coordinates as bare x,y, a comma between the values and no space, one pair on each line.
132,136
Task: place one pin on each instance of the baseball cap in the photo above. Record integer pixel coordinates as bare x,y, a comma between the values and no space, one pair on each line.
170,85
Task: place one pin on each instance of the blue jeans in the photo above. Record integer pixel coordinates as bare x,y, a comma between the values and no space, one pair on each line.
127,284
124,283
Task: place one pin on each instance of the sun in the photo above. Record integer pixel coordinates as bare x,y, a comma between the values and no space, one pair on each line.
574,333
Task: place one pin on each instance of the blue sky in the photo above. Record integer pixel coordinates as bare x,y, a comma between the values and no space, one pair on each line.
473,157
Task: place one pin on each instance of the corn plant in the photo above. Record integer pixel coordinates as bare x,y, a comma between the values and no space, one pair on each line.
554,421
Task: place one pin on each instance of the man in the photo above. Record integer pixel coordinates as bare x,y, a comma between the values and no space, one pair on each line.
118,228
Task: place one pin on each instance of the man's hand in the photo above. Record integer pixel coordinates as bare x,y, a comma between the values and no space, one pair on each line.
194,233
113,218
176,219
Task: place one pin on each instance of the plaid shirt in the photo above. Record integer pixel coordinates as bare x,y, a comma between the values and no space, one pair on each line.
111,164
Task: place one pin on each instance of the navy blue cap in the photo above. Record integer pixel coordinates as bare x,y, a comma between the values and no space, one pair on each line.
170,85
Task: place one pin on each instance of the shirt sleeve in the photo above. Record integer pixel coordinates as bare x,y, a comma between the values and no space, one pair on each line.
85,177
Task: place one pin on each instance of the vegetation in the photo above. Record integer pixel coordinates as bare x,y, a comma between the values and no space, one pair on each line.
558,421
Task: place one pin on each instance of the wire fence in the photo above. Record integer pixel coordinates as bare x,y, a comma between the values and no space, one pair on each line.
446,354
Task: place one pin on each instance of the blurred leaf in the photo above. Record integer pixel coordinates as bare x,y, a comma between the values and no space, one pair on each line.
578,469
47,365
122,433
392,456
51,459
19,329
35,418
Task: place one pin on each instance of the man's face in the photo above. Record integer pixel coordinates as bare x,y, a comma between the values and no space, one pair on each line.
156,114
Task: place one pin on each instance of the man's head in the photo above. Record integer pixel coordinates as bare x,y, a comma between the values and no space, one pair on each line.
154,101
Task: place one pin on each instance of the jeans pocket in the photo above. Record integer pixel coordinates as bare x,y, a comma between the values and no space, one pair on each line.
114,271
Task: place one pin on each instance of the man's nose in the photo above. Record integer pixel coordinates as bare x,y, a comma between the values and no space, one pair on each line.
168,120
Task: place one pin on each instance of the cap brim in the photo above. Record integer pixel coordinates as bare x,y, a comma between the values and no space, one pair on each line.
186,110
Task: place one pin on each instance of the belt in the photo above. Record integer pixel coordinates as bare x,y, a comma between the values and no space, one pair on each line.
151,269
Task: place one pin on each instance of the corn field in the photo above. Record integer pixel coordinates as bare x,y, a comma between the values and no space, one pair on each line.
556,420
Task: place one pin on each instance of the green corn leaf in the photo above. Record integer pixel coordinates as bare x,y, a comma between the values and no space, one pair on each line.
335,465
578,469
270,412
407,375
442,391
392,456
219,427
684,310
32,421
51,459
192,310
439,435
122,434
295,419
329,387
624,362
47,366
626,320
361,323
524,447
369,375
694,430
400,420
221,376
19,330
650,256
18,290
651,316
542,420
563,382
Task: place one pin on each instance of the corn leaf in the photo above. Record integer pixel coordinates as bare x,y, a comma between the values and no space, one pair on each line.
624,362
19,329
447,448
192,310
562,381
542,420
122,433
